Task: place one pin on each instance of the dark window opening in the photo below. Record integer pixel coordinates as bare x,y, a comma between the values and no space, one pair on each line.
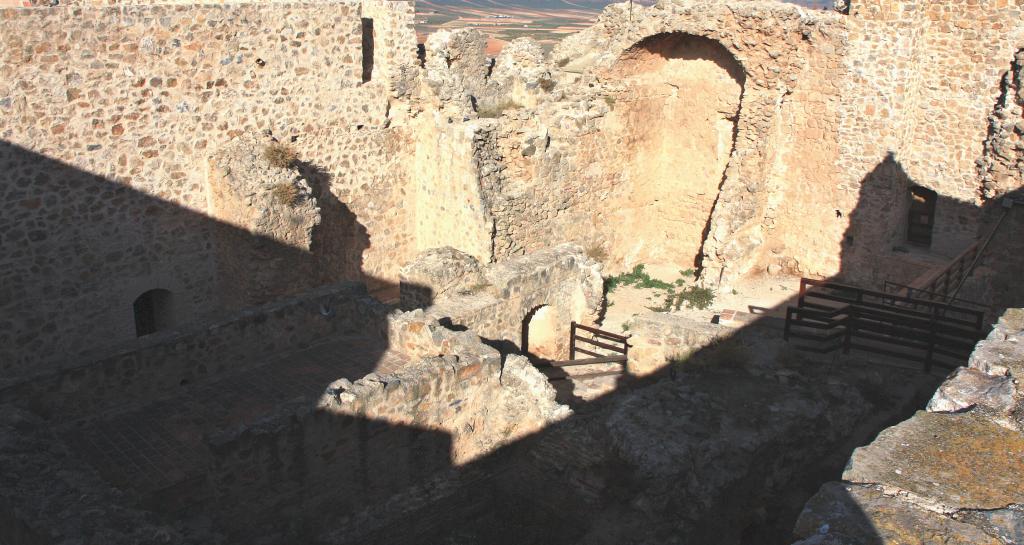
367,50
153,312
421,54
921,216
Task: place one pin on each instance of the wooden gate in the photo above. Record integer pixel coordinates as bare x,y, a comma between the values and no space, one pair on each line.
600,347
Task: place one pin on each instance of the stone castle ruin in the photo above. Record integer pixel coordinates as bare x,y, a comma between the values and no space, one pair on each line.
274,272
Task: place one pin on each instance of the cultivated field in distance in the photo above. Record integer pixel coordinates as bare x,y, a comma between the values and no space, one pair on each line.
546,21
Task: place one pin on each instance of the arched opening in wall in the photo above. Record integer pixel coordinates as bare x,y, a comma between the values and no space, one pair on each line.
676,120
540,334
154,311
367,49
921,216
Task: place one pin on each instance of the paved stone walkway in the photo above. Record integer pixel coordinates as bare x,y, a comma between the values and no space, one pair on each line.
159,445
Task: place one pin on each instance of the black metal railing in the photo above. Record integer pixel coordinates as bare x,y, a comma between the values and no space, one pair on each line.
835,316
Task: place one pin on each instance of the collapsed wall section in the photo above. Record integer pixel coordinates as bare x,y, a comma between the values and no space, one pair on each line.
573,166
839,118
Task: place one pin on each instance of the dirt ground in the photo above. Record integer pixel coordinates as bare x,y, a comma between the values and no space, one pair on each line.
757,295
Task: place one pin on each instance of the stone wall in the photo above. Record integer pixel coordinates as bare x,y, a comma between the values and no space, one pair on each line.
157,364
447,199
110,113
658,339
951,472
839,116
1003,164
274,209
497,302
563,166
922,80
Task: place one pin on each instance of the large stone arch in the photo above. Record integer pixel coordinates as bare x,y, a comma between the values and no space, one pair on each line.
677,116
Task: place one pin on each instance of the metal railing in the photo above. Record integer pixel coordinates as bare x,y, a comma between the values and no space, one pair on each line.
947,281
837,316
911,292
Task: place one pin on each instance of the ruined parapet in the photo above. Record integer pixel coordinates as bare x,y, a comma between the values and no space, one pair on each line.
253,185
436,273
522,73
953,471
389,44
1002,166
501,402
457,68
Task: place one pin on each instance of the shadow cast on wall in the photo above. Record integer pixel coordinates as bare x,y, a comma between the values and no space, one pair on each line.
575,482
76,244
78,251
879,244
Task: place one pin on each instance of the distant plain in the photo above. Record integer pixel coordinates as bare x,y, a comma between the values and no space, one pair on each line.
546,21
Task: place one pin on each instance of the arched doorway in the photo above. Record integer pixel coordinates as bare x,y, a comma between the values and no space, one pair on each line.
541,334
154,311
676,122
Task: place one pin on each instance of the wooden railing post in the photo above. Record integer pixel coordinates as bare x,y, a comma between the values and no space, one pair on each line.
850,323
625,357
931,342
572,340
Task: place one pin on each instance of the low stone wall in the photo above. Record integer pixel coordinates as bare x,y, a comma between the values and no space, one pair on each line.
953,471
495,308
367,441
656,338
152,365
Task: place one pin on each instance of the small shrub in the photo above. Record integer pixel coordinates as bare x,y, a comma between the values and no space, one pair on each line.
597,253
610,101
280,155
493,111
286,194
547,85
562,63
695,297
638,277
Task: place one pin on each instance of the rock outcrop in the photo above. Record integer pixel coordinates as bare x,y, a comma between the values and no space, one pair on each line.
950,475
